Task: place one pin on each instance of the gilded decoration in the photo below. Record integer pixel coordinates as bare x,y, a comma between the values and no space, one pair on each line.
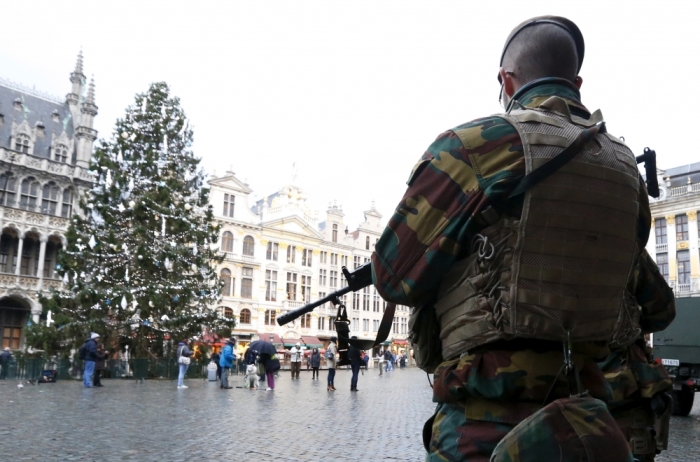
692,215
283,245
316,252
264,241
671,220
683,245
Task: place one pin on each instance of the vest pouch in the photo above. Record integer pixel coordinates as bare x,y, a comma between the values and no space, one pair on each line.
424,335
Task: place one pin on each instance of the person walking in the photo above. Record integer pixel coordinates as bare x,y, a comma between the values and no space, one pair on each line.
355,357
296,354
90,354
215,358
388,358
331,358
516,266
315,361
99,365
271,363
5,358
226,362
183,362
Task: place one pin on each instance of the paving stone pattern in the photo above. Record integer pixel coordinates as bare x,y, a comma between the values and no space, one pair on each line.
299,421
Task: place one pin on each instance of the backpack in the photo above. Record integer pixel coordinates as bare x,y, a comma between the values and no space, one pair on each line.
329,354
82,351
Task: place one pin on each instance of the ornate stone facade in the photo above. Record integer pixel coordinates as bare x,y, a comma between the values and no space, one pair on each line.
278,257
45,149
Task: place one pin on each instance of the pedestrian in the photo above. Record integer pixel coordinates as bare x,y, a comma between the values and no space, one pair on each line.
315,360
365,360
215,358
5,358
99,365
355,357
388,358
541,268
402,361
271,364
183,362
90,354
226,362
296,355
331,358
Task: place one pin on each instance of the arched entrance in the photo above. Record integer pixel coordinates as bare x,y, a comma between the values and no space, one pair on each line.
14,313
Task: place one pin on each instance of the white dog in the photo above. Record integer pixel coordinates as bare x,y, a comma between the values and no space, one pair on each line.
251,376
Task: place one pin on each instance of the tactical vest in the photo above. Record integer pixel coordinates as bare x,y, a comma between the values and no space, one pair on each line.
559,270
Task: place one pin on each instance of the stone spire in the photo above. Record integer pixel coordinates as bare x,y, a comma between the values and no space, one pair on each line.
79,64
91,92
77,78
85,134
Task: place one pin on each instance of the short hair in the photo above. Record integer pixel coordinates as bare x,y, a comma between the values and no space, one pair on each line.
544,50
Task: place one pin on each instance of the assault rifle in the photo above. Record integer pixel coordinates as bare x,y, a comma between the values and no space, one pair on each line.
649,159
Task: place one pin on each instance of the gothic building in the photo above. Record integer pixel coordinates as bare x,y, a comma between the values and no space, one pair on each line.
674,239
45,148
278,256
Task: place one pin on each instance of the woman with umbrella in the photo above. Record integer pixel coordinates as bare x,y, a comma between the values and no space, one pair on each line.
267,356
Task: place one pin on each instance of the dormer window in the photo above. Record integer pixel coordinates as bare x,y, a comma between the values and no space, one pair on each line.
22,143
60,153
40,127
55,116
17,104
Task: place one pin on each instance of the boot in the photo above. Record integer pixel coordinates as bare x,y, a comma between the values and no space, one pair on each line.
329,388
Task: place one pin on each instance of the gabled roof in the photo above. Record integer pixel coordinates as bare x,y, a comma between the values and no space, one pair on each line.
293,224
230,181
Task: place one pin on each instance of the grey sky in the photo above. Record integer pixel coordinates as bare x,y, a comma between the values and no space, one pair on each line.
352,91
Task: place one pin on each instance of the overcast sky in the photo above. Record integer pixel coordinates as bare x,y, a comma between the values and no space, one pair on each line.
352,91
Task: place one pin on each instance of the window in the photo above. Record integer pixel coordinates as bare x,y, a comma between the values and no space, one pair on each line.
306,321
334,237
247,283
229,203
324,257
395,326
291,254
305,288
28,197
375,302
365,299
344,260
227,241
365,325
8,185
404,325
30,254
321,323
272,251
375,325
249,246
270,316
660,228
681,229
331,322
245,316
367,243
366,260
306,257
291,286
12,329
356,262
49,198
322,278
270,285
334,259
22,143
60,153
228,313
355,324
334,279
355,301
683,265
67,209
225,276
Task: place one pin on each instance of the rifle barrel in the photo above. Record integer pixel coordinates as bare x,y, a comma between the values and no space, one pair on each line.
292,315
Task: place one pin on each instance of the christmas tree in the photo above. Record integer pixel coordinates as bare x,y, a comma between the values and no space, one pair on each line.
138,268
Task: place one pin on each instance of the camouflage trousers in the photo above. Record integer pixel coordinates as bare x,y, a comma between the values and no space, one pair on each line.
637,426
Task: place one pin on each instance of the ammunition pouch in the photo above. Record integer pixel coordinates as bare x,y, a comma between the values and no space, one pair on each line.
424,336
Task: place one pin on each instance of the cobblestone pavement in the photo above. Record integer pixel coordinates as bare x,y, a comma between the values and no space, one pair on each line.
155,421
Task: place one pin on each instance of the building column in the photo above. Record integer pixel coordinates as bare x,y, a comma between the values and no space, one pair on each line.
20,248
672,261
42,253
694,254
651,243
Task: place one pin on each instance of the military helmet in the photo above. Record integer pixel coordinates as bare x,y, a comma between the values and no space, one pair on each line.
558,21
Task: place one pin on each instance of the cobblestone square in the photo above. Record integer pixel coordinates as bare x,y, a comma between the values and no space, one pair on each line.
299,421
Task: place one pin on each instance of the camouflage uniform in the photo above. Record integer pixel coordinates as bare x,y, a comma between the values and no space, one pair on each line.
483,395
634,377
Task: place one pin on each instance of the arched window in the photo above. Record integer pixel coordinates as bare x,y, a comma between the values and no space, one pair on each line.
227,242
49,198
367,243
8,188
226,283
245,316
335,233
28,197
67,208
248,246
228,313
22,143
60,153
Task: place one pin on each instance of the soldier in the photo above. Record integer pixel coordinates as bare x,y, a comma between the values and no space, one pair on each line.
520,281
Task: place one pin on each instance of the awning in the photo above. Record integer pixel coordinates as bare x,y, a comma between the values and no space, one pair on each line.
276,340
399,341
290,342
387,343
311,341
